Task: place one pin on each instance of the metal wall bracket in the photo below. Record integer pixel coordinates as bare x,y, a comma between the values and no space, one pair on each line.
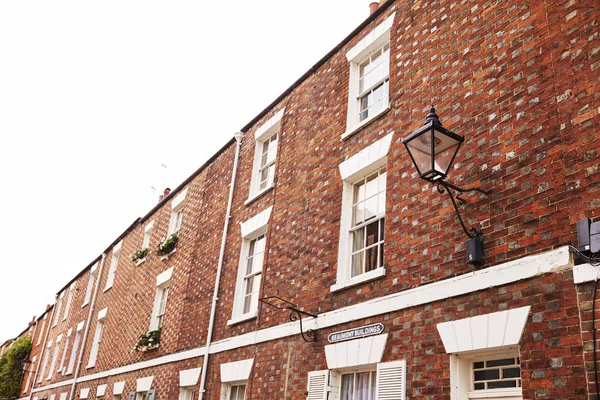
295,315
443,186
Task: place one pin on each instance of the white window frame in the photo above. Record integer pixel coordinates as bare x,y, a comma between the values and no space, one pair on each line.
371,159
41,334
252,229
114,262
44,364
61,366
97,338
372,43
470,339
461,370
177,208
188,379
235,373
58,306
90,285
72,289
390,381
148,230
75,348
54,357
262,136
163,282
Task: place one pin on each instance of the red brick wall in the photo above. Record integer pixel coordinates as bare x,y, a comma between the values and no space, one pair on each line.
519,80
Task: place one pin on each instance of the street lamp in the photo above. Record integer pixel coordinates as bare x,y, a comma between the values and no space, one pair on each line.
432,149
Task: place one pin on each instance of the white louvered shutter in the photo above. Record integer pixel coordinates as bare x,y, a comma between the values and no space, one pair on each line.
391,380
132,395
318,384
152,394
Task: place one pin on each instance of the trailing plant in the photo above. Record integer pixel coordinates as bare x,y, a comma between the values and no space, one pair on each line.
11,368
148,341
139,254
168,245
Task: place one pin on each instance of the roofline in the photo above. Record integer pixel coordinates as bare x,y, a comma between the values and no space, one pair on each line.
382,8
117,240
187,180
152,211
319,63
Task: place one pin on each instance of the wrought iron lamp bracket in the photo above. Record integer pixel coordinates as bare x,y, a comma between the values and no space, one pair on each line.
443,186
295,315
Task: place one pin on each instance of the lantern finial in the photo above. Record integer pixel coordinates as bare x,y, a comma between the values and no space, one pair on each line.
432,116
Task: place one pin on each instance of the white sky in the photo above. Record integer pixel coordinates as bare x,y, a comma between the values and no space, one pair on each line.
96,96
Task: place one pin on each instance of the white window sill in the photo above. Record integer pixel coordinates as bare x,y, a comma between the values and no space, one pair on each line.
107,288
367,276
85,304
496,393
362,124
166,256
90,366
242,318
140,261
254,196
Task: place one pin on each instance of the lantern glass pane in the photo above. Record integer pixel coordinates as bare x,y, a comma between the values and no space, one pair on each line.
445,149
420,149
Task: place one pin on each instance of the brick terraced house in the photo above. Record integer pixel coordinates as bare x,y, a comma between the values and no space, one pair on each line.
307,259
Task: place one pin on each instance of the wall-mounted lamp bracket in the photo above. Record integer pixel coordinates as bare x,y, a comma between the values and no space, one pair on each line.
443,186
295,315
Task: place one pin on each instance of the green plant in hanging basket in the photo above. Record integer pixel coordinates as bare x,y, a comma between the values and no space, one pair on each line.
168,245
139,254
148,341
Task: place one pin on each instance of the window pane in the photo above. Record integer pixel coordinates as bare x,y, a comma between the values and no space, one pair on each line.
358,239
511,372
497,363
348,387
502,384
357,264
487,375
370,208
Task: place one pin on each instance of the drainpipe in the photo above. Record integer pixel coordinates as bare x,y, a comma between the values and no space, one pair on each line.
87,327
37,371
238,137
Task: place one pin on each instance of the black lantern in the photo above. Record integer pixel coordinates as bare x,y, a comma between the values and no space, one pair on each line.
433,148
26,363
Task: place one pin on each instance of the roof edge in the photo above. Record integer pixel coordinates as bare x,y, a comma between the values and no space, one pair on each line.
382,8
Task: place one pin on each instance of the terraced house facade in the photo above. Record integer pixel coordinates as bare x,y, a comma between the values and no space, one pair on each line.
306,259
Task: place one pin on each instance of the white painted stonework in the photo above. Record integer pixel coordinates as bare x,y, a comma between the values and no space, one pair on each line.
257,223
118,388
144,384
362,47
354,353
63,396
83,393
178,200
102,313
367,160
164,277
264,128
585,273
189,377
236,371
80,326
101,390
486,331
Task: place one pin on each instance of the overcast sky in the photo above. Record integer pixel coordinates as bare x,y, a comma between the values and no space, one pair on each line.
96,96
